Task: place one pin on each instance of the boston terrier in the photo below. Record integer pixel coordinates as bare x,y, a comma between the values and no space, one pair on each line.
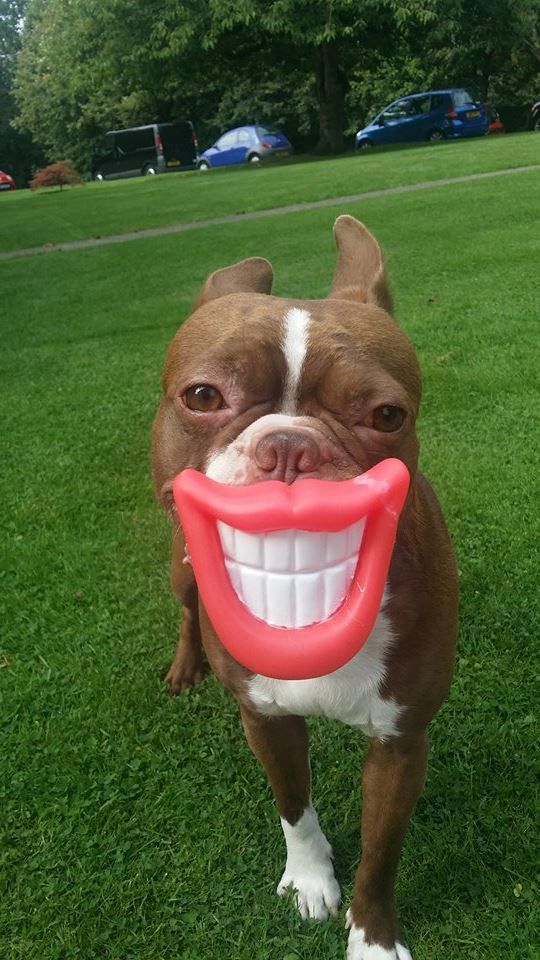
255,388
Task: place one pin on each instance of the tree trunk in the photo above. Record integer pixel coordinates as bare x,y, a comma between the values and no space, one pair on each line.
485,76
331,87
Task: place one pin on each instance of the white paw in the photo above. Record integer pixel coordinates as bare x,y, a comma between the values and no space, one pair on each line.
316,890
358,949
309,870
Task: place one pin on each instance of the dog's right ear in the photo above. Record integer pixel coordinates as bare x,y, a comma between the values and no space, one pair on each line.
254,275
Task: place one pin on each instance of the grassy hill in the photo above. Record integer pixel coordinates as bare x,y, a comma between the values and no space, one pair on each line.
137,827
101,209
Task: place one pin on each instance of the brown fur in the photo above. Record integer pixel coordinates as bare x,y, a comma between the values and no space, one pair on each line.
358,359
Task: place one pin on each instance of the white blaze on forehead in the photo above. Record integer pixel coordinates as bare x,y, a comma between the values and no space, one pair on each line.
294,345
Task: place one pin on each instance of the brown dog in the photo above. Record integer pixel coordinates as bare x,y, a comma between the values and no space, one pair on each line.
256,388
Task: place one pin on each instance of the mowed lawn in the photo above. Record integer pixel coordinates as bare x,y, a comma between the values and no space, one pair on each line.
138,827
100,209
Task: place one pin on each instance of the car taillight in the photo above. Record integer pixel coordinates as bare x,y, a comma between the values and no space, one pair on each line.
195,141
452,114
264,143
159,144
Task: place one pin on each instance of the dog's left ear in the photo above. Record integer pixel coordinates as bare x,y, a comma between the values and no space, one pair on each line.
360,272
254,275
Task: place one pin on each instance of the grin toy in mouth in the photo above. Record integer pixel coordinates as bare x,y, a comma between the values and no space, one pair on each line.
292,575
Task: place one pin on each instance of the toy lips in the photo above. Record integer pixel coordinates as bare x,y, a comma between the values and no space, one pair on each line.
292,575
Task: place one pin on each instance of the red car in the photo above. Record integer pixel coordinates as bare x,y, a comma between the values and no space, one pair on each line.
6,182
495,123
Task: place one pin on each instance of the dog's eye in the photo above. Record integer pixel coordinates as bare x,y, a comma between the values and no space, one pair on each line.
204,398
387,418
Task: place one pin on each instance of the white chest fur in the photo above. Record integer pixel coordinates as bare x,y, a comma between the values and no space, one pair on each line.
350,694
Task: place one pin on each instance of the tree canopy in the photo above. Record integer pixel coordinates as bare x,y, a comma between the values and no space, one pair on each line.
319,68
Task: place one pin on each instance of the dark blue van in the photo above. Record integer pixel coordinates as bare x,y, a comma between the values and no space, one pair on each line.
434,115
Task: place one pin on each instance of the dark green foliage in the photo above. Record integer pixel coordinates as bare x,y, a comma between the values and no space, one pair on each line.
18,154
317,69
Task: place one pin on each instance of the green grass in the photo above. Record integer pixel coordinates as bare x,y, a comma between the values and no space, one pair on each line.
102,209
137,827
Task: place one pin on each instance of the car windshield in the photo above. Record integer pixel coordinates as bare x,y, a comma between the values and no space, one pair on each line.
461,98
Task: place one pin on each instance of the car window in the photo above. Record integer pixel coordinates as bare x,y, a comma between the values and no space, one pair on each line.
244,137
462,98
437,100
125,141
145,138
131,140
396,111
267,132
176,135
227,141
105,146
419,105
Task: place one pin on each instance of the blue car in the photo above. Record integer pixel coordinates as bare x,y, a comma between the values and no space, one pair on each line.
245,145
435,115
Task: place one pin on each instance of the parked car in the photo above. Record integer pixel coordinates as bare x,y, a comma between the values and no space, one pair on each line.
6,182
533,122
434,115
246,145
154,148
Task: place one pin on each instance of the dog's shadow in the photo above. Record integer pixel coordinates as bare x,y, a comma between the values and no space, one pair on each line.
470,837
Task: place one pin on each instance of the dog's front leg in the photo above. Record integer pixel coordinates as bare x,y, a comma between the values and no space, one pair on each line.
189,665
392,780
281,746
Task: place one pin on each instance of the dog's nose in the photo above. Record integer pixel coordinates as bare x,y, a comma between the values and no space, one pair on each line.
283,455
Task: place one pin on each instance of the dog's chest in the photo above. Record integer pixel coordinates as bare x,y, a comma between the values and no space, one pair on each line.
350,694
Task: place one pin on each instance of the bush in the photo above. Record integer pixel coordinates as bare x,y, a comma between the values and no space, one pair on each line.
59,174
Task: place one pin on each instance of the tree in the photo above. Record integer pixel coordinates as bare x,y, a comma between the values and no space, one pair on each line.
59,174
314,66
499,52
17,151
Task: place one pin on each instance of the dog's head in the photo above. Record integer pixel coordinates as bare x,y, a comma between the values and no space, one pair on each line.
258,387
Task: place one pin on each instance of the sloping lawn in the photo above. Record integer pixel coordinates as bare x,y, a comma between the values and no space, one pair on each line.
100,209
138,827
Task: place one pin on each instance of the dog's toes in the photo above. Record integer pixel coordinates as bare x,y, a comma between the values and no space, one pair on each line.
402,952
317,895
359,949
182,677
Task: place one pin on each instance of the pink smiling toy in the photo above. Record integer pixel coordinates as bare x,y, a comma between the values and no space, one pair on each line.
292,575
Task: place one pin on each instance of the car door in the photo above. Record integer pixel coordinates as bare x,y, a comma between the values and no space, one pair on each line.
419,121
104,159
390,124
244,141
126,146
225,150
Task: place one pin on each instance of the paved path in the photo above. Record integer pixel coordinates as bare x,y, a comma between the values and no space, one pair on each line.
256,214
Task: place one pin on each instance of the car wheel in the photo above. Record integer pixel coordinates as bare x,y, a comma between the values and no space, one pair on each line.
254,158
149,171
99,176
536,123
436,136
365,145
203,165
